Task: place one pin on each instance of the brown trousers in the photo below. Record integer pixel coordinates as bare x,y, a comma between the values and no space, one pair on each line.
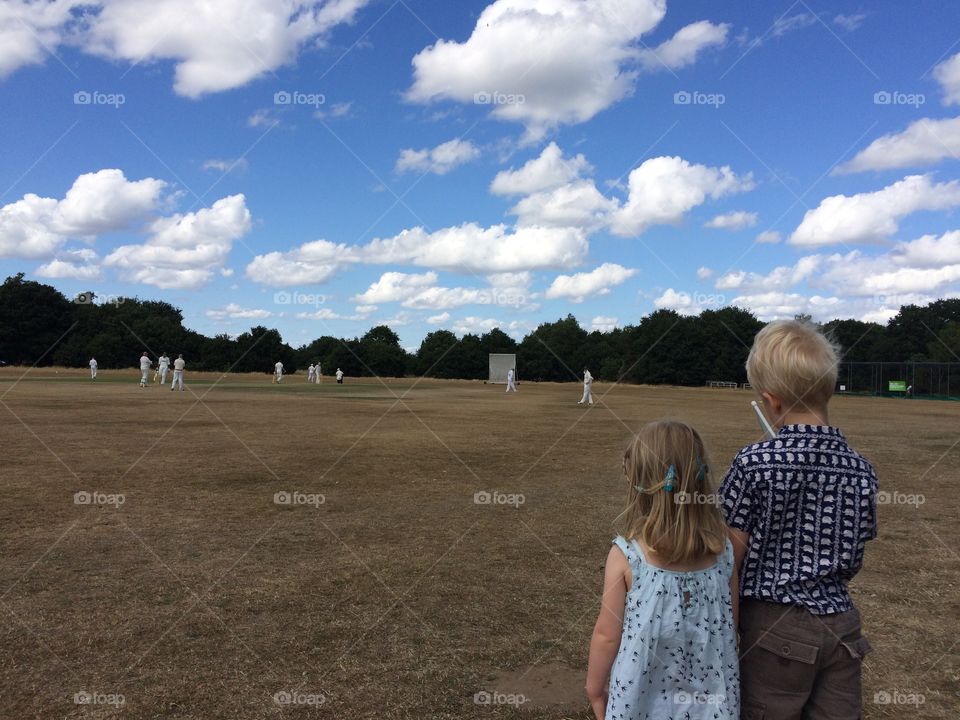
795,665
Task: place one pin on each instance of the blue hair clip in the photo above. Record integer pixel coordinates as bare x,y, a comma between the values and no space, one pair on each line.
701,470
668,480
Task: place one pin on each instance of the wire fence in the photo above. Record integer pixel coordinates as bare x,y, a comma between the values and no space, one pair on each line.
935,380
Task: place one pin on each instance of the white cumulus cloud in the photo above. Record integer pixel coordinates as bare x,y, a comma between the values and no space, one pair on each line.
869,217
80,264
214,45
470,248
184,250
581,61
596,282
947,74
578,204
924,142
439,160
603,323
395,286
663,189
223,45
684,47
35,227
234,312
733,220
545,172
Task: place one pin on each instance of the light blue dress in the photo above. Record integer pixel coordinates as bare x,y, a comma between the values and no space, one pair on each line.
678,652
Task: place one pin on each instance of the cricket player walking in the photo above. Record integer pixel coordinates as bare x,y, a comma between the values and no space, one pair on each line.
145,363
93,368
310,374
511,380
163,368
339,376
317,374
178,366
587,388
278,369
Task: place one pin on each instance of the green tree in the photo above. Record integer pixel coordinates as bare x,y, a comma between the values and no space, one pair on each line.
436,356
727,336
554,351
381,354
259,350
497,341
34,319
946,346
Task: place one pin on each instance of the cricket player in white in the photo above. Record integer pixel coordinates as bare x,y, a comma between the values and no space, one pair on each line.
178,366
511,381
587,388
339,376
310,374
93,368
145,363
317,374
164,367
278,368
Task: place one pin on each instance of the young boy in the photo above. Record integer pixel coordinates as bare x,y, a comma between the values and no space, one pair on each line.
800,508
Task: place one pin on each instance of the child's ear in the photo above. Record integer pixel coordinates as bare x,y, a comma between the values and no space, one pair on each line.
773,403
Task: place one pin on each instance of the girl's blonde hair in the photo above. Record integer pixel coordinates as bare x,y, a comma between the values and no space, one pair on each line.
682,524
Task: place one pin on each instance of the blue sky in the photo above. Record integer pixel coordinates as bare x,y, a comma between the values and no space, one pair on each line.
321,167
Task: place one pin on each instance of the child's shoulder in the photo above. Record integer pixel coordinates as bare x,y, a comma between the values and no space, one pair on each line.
748,453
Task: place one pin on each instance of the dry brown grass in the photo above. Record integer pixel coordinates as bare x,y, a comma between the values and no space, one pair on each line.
399,597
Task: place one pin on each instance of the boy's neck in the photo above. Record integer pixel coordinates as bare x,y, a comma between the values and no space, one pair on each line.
805,417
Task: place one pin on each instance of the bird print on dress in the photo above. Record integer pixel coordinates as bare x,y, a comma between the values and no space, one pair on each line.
678,654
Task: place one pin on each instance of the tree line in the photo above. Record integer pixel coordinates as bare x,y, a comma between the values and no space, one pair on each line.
39,325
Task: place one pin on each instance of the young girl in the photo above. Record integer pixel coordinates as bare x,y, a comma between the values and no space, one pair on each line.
665,644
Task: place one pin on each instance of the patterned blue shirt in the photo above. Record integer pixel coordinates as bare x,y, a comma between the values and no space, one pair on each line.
808,502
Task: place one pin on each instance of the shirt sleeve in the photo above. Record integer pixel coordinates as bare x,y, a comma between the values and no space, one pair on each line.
738,500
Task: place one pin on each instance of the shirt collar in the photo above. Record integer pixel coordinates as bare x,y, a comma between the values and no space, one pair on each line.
825,430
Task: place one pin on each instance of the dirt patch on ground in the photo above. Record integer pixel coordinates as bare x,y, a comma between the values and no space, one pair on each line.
551,686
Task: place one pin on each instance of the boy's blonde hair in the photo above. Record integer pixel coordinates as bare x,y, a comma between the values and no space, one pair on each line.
682,524
795,362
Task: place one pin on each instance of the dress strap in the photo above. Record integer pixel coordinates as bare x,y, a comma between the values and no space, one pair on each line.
728,556
629,549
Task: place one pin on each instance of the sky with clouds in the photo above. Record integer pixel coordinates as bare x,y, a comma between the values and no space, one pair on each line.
321,167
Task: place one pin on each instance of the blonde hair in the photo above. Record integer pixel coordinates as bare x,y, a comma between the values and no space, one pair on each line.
682,524
795,362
